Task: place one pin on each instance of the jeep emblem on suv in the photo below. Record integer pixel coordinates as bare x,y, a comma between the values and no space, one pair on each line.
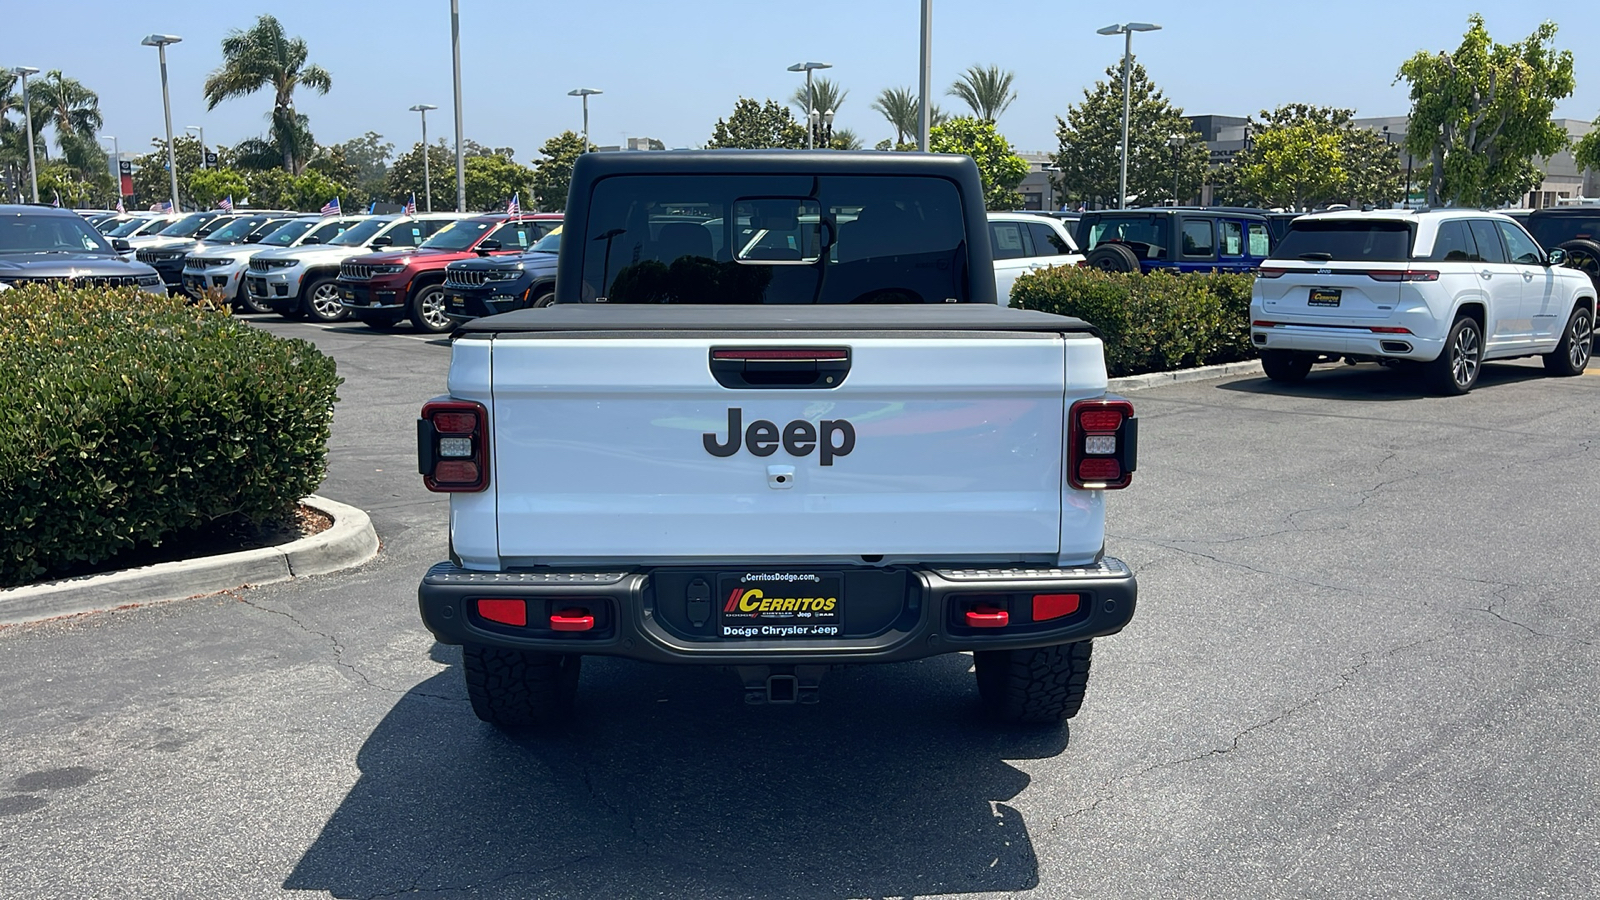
830,437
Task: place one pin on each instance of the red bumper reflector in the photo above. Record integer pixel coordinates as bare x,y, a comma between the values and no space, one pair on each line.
1381,330
506,612
1098,469
1053,606
572,620
987,617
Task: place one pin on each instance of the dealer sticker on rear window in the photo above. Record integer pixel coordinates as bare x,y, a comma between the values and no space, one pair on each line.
777,605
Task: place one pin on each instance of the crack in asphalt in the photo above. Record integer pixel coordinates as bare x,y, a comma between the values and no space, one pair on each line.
338,652
1346,678
1500,595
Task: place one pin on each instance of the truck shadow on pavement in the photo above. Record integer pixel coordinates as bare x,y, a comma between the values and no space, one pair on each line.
1367,383
666,784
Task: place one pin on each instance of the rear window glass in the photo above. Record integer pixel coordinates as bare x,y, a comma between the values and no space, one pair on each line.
1356,240
1553,231
775,239
1146,235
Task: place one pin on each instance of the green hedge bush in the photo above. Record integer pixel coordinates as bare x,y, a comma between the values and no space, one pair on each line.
128,418
1152,323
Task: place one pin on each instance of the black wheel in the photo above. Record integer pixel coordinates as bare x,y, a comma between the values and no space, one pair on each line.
1571,356
546,297
1584,255
427,310
1456,370
1286,366
515,688
1113,258
1044,685
320,301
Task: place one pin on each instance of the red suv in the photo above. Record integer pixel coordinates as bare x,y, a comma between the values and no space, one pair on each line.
380,288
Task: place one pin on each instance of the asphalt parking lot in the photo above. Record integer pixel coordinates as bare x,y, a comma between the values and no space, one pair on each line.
1364,664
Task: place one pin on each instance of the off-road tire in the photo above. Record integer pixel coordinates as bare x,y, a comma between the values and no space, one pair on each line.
513,689
1287,366
427,310
1044,685
1113,258
319,300
1571,356
1584,255
1461,361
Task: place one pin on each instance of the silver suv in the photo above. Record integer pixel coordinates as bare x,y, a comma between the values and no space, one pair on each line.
1447,289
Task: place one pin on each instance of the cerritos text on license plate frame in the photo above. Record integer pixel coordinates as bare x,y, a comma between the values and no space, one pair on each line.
776,605
1324,297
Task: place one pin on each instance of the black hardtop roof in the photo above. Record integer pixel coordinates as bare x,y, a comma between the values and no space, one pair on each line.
649,317
12,209
769,162
1589,210
1245,212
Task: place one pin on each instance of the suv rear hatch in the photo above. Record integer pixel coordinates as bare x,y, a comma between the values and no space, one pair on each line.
1337,269
671,433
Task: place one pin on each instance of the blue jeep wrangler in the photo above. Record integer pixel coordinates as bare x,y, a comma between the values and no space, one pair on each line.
1177,239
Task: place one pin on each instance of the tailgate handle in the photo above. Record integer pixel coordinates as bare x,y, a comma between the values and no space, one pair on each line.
763,368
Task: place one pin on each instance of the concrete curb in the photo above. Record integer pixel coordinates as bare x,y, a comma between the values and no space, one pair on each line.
350,541
1204,373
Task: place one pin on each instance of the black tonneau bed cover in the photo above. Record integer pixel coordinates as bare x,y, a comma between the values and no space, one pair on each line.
605,318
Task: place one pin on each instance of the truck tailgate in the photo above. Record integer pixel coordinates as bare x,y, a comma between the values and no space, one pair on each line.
938,446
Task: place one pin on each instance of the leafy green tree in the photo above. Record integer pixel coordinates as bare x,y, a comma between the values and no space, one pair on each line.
1587,151
307,192
150,183
844,139
1000,168
368,158
1090,155
757,126
1482,114
1307,156
552,174
265,56
492,179
59,178
405,176
987,90
209,187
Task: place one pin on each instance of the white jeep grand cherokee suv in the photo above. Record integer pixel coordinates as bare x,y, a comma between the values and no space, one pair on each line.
1445,288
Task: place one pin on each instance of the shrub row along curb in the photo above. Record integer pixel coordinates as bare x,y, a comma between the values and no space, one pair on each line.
1204,373
349,542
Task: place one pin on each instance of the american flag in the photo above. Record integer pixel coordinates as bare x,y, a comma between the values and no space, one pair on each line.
121,210
514,208
411,205
164,206
226,205
58,199
331,208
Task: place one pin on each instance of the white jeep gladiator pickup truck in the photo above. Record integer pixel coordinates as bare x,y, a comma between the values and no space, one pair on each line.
776,423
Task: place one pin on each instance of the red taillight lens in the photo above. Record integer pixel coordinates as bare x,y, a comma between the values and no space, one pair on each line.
1102,444
453,446
1407,275
1263,323
1270,273
1377,329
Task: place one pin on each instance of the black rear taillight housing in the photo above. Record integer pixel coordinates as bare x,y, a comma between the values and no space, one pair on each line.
1102,444
453,446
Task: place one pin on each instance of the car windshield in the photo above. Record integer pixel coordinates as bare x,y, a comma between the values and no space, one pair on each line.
550,243
128,227
360,233
287,232
236,231
1352,240
1553,231
188,225
457,235
49,234
775,239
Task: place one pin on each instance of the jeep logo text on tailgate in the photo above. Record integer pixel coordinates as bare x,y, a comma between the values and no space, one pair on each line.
830,437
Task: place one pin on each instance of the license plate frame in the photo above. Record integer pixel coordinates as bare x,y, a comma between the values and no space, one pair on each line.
798,605
1325,297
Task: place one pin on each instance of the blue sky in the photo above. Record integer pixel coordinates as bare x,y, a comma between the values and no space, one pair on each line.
670,69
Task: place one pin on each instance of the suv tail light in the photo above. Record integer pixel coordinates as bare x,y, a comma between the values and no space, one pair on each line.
453,446
1407,275
1102,444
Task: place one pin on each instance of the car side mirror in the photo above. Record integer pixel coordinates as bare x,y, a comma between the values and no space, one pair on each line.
120,245
253,238
1557,257
311,240
486,247
382,240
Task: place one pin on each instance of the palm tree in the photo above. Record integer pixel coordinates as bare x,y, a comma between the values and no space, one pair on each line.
825,95
900,107
265,57
74,110
845,139
987,90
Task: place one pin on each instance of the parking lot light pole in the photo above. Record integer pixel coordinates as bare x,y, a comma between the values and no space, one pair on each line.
116,163
455,57
925,78
427,178
808,68
1127,103
584,94
23,72
160,42
202,132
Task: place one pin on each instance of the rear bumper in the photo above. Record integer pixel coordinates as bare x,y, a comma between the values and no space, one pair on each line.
1337,341
638,614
